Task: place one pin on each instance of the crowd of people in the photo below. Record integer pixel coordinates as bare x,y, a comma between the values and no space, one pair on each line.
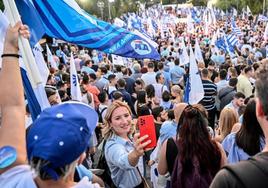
96,142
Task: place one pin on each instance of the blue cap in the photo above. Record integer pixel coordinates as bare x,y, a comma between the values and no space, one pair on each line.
61,133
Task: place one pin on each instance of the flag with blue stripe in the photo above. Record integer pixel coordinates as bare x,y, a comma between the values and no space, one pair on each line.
65,20
232,40
236,30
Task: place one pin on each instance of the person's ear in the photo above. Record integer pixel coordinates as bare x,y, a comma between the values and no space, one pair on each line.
81,158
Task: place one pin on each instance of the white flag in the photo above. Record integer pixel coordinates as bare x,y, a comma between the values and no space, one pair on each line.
265,35
184,58
197,52
75,86
248,11
196,86
50,59
3,27
118,22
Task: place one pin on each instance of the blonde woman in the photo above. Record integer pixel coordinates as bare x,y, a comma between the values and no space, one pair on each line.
228,118
123,154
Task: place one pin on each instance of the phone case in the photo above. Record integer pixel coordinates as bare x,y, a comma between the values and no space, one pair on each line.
147,127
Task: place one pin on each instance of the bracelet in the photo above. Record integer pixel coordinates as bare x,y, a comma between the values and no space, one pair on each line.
10,55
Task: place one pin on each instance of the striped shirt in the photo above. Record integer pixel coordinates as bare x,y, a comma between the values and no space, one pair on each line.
210,90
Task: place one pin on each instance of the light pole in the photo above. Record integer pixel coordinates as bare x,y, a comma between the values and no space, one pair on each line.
100,4
109,9
263,7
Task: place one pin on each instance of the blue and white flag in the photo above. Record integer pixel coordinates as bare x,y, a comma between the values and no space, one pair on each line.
194,91
232,39
184,57
75,86
236,30
65,20
265,35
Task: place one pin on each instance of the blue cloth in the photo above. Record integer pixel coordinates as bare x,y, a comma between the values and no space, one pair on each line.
88,70
235,153
176,73
65,20
122,173
168,130
33,104
84,172
31,18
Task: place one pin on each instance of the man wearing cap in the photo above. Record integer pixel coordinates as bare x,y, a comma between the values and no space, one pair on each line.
55,142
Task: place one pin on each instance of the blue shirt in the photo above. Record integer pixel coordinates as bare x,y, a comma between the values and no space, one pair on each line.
88,70
176,73
168,130
167,78
122,173
235,153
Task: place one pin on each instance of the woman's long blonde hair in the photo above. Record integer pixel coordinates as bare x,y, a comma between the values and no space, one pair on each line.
107,130
228,118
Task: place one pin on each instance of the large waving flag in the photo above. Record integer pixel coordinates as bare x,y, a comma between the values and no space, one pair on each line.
65,20
194,91
184,58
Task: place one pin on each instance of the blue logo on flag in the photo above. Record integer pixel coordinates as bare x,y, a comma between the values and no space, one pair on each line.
74,80
141,47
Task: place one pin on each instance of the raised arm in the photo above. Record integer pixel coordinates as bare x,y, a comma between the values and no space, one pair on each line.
12,132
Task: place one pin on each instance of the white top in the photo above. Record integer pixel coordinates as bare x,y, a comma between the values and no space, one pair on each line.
159,89
149,78
22,176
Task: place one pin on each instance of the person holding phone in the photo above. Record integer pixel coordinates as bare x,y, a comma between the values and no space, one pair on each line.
122,152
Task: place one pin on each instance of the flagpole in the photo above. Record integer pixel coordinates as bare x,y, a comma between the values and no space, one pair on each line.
24,45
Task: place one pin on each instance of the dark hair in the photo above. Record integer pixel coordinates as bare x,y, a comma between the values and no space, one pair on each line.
261,86
85,79
166,96
204,72
247,69
141,97
61,66
157,76
103,70
156,111
248,137
93,76
177,62
171,114
233,82
111,77
160,65
143,110
87,62
121,83
117,95
124,71
102,96
151,65
150,91
239,95
199,155
223,74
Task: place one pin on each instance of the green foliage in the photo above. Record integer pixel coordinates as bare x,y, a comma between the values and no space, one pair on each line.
255,6
1,5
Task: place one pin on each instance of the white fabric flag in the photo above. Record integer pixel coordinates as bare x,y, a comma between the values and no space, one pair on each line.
3,27
197,52
184,58
118,60
50,59
118,22
265,35
39,91
75,86
196,86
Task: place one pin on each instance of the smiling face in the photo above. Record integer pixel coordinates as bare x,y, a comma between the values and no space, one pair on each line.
121,121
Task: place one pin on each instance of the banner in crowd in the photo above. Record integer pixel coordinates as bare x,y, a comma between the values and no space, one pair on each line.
65,20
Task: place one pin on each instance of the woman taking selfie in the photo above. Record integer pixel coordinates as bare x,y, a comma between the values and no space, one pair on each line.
122,152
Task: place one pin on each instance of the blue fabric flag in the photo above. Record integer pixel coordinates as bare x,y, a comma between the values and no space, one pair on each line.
33,104
65,20
31,18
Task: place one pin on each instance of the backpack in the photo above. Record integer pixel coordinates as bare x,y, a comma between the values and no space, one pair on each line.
100,114
249,173
101,163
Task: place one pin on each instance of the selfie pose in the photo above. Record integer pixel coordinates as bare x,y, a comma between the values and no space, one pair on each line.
122,152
